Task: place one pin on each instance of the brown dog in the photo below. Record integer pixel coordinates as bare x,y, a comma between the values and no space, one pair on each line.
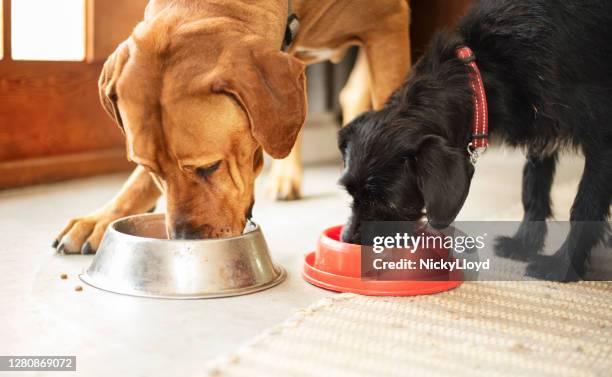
201,89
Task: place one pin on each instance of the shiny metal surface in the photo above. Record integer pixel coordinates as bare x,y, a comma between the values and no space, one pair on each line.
136,258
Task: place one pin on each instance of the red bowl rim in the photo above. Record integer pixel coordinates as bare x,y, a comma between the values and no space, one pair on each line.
334,244
341,283
329,245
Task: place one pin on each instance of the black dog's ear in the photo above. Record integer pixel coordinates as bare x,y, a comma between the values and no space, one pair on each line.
444,175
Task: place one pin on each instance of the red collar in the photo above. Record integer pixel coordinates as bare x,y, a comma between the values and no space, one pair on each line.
480,123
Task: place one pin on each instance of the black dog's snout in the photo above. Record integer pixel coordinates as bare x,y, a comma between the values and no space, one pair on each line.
350,234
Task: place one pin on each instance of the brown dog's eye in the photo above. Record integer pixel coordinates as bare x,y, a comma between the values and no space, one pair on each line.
206,171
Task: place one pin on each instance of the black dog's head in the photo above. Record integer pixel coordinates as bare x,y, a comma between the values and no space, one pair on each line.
411,156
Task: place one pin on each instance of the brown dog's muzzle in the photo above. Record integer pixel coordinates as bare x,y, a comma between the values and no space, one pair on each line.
180,226
196,210
185,230
184,226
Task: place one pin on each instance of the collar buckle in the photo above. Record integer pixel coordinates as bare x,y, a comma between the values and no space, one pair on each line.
475,152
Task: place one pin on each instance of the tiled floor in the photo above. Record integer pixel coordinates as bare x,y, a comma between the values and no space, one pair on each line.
114,335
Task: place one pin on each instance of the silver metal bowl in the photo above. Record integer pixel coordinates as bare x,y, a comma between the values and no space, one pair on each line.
136,258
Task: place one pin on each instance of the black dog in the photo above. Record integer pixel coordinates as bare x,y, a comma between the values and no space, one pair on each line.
547,72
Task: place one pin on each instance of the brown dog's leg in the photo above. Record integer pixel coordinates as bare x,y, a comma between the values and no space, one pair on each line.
356,95
388,52
83,234
285,177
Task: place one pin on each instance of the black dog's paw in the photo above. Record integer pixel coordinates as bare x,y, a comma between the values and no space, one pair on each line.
553,268
513,248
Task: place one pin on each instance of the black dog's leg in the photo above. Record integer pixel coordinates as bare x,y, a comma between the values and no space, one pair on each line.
538,175
589,225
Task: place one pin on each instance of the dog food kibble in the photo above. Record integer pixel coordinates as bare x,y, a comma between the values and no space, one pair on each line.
64,276
78,288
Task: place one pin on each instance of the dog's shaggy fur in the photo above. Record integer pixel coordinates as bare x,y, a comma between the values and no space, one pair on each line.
546,66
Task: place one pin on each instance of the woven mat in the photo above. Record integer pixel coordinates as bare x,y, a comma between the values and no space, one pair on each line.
480,329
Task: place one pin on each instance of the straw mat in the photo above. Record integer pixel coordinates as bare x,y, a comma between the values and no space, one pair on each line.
479,329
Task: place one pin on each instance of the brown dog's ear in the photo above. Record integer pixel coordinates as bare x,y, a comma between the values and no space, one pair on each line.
444,175
270,86
108,81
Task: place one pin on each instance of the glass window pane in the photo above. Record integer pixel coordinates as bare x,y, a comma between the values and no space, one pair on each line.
48,29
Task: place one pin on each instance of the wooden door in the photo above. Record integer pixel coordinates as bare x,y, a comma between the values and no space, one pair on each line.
430,16
52,126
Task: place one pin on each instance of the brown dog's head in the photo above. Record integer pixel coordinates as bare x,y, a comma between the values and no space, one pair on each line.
197,110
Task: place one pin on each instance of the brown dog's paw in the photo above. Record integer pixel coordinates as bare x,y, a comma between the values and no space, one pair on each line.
285,180
83,234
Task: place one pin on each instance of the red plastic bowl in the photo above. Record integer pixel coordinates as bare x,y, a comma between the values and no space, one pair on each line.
336,265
